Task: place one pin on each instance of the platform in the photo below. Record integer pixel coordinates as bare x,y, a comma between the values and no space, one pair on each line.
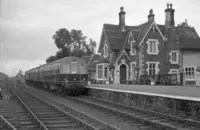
177,92
177,101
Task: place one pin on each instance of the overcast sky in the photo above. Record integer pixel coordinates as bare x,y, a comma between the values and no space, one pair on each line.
27,26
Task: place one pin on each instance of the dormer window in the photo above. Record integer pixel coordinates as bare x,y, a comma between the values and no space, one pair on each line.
174,57
152,48
105,50
133,50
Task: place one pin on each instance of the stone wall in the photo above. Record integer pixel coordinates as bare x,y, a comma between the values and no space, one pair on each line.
176,107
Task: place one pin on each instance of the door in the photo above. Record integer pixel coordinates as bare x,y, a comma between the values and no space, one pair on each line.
123,74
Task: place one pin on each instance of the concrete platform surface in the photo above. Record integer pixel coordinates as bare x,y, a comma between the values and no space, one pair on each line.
190,93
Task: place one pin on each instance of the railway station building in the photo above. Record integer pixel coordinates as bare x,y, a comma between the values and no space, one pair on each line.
128,52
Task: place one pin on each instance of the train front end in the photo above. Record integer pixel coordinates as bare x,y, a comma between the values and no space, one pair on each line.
75,77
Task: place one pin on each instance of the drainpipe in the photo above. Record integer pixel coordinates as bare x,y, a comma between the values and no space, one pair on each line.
137,65
180,51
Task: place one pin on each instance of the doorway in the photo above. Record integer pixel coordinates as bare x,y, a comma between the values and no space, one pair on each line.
123,74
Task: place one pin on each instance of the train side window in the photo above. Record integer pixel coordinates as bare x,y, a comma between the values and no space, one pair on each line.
74,68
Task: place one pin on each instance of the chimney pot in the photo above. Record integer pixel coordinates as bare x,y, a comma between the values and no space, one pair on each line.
169,16
122,18
122,9
171,6
151,15
151,11
167,5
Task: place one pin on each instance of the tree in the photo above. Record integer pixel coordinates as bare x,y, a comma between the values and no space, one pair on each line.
50,59
91,47
71,43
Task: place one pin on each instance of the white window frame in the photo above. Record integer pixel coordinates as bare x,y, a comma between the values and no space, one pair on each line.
171,58
172,71
131,64
103,71
186,76
131,50
156,47
105,52
156,66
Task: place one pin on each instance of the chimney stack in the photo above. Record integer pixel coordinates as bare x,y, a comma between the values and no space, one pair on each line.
151,15
169,16
122,19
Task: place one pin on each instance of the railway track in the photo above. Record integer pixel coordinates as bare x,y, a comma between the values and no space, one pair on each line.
49,116
133,124
5,124
157,120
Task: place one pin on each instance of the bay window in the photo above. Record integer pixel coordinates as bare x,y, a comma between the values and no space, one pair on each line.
102,71
189,73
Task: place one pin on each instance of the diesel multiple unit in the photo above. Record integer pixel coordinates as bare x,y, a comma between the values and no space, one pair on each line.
68,76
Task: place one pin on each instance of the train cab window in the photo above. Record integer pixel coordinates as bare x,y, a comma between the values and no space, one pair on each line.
74,68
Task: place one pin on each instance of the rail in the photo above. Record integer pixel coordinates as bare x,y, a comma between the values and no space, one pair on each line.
61,110
10,126
34,116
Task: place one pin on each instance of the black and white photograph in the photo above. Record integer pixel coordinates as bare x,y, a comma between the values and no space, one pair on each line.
99,65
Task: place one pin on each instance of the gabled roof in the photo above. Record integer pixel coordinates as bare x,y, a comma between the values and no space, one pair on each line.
117,38
188,37
187,43
87,58
94,59
119,54
135,34
147,29
187,32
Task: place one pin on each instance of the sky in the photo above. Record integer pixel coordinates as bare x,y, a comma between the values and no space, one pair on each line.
27,26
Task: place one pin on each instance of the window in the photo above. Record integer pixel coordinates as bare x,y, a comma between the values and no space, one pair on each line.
174,57
152,68
105,51
133,50
189,73
100,71
133,71
74,68
152,46
173,71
